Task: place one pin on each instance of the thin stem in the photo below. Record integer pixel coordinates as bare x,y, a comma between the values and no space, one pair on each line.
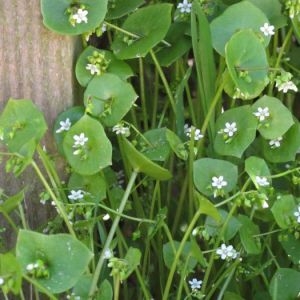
111,234
142,94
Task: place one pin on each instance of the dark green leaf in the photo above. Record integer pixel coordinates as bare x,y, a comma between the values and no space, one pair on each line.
283,210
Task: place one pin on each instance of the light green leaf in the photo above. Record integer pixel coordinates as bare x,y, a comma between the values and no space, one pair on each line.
105,291
283,210
119,8
12,202
132,257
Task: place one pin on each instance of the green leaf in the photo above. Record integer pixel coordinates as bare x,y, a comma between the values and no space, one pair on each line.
283,210
149,25
247,232
279,121
205,169
246,125
109,98
243,15
141,163
120,8
247,63
56,17
115,66
288,149
208,208
177,145
12,202
285,284
232,296
10,271
105,291
65,258
133,258
22,125
255,166
97,151
291,246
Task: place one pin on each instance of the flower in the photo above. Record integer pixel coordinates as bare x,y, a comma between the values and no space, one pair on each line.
64,125
267,29
195,284
1,281
275,143
286,86
106,217
122,130
76,195
185,6
230,128
262,181
297,214
93,69
80,140
227,252
80,16
108,254
262,113
197,132
31,267
218,182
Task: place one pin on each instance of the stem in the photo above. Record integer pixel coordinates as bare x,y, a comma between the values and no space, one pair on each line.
111,234
142,94
116,287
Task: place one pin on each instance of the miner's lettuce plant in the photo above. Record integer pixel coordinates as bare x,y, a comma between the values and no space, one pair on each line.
181,161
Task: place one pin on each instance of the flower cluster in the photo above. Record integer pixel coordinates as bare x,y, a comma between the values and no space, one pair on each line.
276,143
64,126
262,181
284,83
77,15
97,63
262,113
267,29
218,183
197,132
228,131
184,7
227,252
76,195
120,129
80,145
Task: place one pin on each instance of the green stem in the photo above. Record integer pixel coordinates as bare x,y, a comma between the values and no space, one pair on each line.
142,94
116,287
111,234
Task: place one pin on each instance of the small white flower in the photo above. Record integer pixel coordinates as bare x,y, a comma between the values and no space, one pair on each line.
265,204
286,86
122,130
106,217
93,69
195,284
197,132
80,16
262,181
297,214
1,281
76,195
218,182
230,128
108,254
262,113
64,125
80,140
275,143
30,267
103,27
267,29
227,252
185,7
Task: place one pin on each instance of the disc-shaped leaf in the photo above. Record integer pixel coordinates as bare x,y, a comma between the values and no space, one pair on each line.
247,63
283,210
289,146
64,257
109,98
279,121
291,246
22,125
243,15
119,8
141,163
115,66
56,16
205,169
149,26
246,125
96,152
285,284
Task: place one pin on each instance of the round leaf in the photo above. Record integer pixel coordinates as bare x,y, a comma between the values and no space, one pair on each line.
149,25
205,169
65,257
291,246
283,210
246,125
119,8
98,148
279,121
109,98
247,63
56,17
243,15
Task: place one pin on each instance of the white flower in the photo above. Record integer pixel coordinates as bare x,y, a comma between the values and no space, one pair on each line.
275,143
31,267
106,217
195,284
80,16
120,129
267,29
197,132
93,69
185,7
265,203
108,254
286,86
103,27
297,214
218,182
230,128
76,195
262,181
64,125
227,252
1,281
262,113
80,140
